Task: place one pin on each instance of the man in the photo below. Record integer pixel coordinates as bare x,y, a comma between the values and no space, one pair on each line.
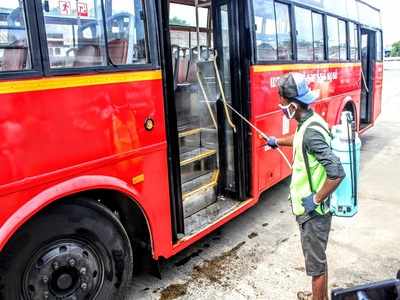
317,172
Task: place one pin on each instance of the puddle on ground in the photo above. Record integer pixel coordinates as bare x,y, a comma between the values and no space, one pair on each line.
174,291
215,269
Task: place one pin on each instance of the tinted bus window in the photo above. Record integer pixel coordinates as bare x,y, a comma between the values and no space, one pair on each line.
379,51
353,31
264,14
126,32
305,49
75,31
343,40
333,38
14,46
319,40
283,32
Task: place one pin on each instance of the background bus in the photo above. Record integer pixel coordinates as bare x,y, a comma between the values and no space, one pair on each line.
117,146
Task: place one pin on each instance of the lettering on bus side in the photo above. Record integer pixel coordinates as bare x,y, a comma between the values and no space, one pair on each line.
312,78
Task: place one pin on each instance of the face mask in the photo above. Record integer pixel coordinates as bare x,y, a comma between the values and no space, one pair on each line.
287,112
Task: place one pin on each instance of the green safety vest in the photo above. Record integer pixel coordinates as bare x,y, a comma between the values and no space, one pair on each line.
300,185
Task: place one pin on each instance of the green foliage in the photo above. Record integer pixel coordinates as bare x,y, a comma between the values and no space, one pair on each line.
177,21
395,49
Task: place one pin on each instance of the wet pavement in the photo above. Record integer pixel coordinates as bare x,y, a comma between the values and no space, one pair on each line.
258,255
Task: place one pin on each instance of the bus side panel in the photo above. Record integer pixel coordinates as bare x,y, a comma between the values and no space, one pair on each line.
336,84
51,136
51,130
378,84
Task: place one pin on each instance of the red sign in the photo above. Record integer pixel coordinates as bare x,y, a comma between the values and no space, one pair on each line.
83,9
65,7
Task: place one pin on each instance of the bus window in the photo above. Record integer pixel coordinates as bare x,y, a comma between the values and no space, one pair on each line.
274,40
126,32
14,48
353,31
305,50
185,15
264,14
319,39
333,38
343,40
379,52
283,32
75,29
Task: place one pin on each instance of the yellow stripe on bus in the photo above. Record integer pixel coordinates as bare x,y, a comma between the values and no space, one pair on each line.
299,67
31,85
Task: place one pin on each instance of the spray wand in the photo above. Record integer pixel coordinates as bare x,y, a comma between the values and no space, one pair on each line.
264,136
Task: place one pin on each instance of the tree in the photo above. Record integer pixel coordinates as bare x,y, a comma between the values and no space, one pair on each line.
395,49
177,21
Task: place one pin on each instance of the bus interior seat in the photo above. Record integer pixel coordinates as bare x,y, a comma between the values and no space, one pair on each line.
183,65
192,69
87,56
175,63
118,51
15,56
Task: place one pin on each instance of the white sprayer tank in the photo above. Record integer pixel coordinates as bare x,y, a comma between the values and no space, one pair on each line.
344,201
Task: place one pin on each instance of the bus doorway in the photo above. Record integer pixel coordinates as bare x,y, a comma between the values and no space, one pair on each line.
202,45
368,58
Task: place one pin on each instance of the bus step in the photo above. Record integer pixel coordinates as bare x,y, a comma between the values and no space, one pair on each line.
189,132
192,172
209,215
192,139
199,201
200,184
199,154
188,122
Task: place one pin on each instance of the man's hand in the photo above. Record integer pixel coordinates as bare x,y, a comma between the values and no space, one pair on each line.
309,203
273,142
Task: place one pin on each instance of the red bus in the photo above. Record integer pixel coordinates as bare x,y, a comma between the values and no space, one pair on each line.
119,147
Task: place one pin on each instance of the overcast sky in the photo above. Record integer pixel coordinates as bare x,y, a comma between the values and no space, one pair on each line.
390,19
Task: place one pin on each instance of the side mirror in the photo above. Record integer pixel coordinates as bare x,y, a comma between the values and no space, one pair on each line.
385,290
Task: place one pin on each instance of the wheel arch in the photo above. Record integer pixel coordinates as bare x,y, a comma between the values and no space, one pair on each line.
114,193
347,105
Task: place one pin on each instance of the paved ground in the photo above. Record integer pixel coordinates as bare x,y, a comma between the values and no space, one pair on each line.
258,255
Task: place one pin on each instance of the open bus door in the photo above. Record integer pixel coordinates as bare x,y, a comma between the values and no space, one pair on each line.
368,59
201,54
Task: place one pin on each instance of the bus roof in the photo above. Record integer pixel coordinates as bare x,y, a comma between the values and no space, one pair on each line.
357,10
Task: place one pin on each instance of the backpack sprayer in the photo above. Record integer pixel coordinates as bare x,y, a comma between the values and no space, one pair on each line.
347,146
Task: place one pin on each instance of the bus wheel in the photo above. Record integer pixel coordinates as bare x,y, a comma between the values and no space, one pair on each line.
75,250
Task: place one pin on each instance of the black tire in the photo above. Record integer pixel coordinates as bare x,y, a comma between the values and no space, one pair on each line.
61,250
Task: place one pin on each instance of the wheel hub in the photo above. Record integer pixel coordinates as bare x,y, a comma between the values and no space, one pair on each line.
64,270
64,282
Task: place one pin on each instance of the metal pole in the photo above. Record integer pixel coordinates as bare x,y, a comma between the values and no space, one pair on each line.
197,29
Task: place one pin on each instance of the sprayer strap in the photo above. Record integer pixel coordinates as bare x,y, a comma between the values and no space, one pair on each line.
308,169
305,156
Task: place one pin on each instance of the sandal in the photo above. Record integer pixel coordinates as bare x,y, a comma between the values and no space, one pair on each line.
304,296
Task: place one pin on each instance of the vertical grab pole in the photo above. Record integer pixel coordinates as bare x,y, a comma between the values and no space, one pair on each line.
197,30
